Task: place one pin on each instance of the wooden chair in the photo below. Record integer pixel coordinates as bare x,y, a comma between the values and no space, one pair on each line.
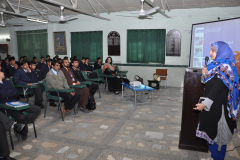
163,74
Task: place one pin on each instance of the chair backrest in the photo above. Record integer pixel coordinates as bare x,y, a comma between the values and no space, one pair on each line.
161,72
99,73
84,75
45,85
11,79
117,69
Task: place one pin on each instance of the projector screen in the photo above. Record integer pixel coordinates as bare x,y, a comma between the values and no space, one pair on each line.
204,34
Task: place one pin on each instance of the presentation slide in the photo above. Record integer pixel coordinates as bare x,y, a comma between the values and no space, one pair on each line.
203,35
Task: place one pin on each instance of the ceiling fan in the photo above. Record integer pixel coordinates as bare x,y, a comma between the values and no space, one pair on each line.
62,18
144,14
3,24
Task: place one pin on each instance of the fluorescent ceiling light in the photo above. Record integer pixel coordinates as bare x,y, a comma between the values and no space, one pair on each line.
36,20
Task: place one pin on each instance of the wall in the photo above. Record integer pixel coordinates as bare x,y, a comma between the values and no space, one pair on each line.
181,19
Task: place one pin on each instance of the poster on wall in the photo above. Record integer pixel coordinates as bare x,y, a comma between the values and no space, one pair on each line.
173,40
60,46
113,44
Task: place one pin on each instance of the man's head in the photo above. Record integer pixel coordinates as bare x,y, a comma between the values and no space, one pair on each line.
99,60
6,60
87,60
2,76
65,63
42,59
8,56
49,62
60,60
83,60
75,63
24,65
12,61
25,58
35,59
47,57
55,58
55,65
32,65
21,58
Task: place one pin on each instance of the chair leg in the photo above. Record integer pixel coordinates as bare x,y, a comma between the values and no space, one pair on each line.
34,130
99,90
10,135
45,112
61,111
75,109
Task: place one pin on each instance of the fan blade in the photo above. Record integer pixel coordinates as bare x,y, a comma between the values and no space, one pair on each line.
150,11
126,16
71,19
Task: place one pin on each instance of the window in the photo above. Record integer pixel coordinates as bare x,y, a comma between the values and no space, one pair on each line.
146,46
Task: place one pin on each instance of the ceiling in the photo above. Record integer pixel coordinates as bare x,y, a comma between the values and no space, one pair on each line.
112,5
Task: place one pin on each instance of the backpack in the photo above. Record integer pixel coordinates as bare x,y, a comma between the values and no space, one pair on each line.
91,104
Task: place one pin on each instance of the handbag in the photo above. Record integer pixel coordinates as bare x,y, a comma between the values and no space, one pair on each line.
137,78
157,78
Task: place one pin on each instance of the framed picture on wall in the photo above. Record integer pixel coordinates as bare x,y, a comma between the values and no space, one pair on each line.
173,43
113,44
60,45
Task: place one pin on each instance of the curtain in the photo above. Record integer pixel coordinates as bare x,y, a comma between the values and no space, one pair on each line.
146,46
87,44
32,43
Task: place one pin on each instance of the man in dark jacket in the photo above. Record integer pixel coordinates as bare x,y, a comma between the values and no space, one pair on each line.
77,72
8,93
11,69
82,64
40,63
34,74
45,68
2,69
98,64
23,77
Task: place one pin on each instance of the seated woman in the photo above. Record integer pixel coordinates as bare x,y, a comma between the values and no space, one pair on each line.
114,84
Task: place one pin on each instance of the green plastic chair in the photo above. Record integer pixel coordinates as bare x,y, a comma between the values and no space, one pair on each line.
4,106
99,71
121,73
27,93
56,98
98,80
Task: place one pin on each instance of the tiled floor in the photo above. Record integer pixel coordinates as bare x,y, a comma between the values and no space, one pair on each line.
116,130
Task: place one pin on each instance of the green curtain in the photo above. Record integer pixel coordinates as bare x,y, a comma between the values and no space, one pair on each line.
32,43
87,44
146,46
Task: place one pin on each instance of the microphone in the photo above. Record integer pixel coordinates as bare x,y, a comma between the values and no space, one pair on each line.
206,60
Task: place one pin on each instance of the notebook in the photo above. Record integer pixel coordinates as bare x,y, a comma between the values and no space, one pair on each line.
16,104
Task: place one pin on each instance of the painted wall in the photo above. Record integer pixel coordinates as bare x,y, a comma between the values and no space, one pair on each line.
181,19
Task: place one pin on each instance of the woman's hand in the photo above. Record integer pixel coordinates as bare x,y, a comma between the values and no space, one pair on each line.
204,70
199,107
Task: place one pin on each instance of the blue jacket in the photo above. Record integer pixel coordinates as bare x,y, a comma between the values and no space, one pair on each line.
82,66
43,71
10,71
4,71
8,93
20,77
34,76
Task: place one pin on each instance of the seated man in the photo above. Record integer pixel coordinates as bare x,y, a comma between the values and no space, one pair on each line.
34,73
55,79
98,64
23,77
87,65
45,68
77,72
82,64
41,62
8,93
71,80
5,125
11,69
19,62
2,69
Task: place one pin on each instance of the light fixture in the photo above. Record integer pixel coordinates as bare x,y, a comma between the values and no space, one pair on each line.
36,20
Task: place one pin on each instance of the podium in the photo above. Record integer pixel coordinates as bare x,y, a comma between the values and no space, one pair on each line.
193,90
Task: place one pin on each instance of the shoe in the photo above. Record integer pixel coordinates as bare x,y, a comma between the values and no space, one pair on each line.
24,137
116,92
83,110
18,127
7,158
17,135
69,111
53,105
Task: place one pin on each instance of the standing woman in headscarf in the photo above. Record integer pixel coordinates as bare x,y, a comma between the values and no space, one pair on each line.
115,82
219,109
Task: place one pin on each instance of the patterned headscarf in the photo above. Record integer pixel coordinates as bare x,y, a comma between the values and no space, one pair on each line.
224,66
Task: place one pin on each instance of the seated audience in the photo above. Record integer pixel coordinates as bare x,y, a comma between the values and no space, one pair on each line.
25,59
71,80
23,76
35,60
34,73
78,74
5,63
41,62
47,57
2,69
45,69
98,64
5,125
8,93
19,62
11,68
87,65
55,79
82,64
114,84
